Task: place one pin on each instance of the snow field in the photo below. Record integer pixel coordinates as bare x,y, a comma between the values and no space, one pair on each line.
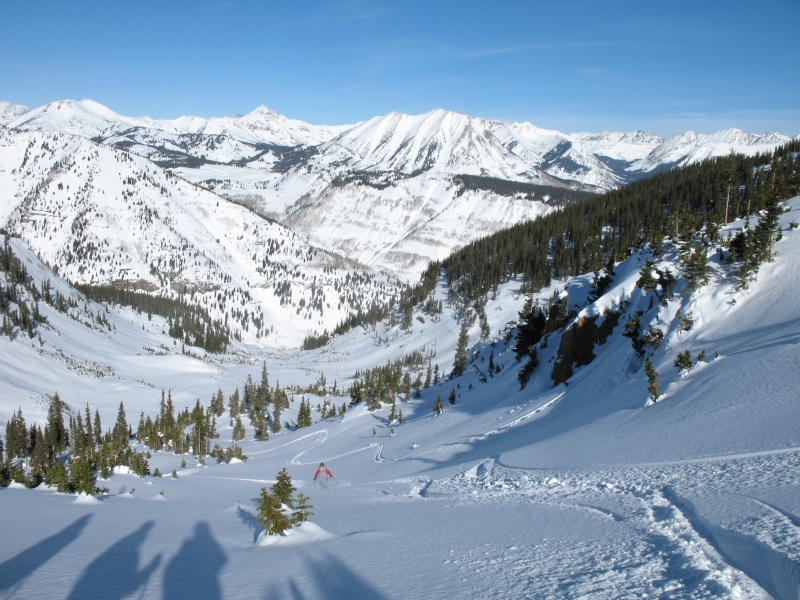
582,490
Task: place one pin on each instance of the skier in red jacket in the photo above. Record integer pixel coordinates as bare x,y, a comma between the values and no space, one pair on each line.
323,474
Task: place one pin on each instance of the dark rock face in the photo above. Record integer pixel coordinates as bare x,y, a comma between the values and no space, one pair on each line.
577,344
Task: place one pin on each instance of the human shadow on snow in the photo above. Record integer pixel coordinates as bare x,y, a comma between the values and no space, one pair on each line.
115,573
194,571
333,580
16,569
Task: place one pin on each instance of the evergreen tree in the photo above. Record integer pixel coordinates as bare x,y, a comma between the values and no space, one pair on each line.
530,330
16,437
233,404
528,369
82,477
271,515
57,477
277,409
238,430
437,406
120,432
696,266
98,429
452,398
302,512
767,232
460,360
218,403
55,432
652,379
427,383
684,361
283,489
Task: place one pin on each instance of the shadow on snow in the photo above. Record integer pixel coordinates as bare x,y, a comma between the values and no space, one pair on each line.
15,570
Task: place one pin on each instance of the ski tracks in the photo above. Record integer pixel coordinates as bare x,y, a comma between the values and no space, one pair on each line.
662,545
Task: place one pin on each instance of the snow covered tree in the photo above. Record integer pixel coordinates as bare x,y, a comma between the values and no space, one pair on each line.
652,379
271,514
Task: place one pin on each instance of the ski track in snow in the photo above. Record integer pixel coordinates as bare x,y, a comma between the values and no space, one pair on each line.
675,551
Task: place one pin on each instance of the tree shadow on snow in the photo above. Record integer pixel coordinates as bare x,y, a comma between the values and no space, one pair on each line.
332,579
194,571
250,520
16,569
114,574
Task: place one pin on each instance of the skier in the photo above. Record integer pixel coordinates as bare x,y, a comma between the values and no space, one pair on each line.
323,474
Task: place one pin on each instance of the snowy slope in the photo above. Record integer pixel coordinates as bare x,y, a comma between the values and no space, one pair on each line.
103,216
584,489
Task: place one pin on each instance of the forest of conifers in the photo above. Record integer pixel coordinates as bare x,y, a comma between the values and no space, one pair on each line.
581,237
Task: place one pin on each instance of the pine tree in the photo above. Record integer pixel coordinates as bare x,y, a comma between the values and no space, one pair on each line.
120,432
271,515
427,383
283,489
238,430
55,432
491,363
16,437
302,512
452,398
57,477
437,406
530,329
528,369
652,379
82,477
460,360
684,361
767,232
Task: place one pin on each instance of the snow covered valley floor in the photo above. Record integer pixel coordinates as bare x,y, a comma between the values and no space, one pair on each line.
579,490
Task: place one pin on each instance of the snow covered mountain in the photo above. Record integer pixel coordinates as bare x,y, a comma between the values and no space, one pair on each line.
386,192
102,216
9,112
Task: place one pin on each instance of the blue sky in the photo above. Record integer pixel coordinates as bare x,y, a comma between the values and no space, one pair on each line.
659,66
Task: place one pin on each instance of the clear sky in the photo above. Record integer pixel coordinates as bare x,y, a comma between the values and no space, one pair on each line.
661,66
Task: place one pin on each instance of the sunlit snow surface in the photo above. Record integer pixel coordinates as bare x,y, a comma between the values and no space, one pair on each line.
575,491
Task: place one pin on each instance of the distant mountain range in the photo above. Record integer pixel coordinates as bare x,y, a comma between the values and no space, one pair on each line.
388,192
